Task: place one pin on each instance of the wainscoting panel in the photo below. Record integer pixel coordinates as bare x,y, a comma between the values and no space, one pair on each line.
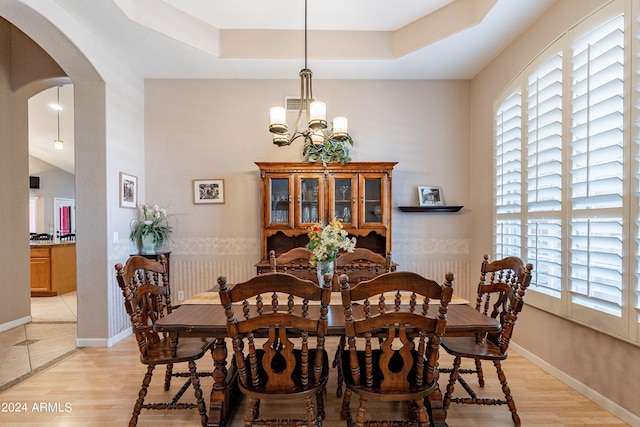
197,275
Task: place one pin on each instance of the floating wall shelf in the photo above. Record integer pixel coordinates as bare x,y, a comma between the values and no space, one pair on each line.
430,208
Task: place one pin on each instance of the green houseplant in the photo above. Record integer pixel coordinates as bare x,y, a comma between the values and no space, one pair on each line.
151,229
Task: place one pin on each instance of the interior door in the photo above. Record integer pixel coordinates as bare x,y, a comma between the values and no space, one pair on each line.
64,216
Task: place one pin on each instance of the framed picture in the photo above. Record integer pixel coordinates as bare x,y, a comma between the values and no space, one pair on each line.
430,196
128,191
208,191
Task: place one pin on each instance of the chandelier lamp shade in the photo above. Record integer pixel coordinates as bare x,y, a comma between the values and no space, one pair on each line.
316,131
57,143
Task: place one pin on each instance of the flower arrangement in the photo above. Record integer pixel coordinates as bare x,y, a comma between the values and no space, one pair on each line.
152,222
326,242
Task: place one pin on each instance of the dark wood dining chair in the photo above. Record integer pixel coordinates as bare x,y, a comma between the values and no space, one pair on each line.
393,349
287,366
296,262
501,291
361,264
147,297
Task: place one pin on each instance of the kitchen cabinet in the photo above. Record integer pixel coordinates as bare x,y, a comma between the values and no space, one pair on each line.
53,268
294,196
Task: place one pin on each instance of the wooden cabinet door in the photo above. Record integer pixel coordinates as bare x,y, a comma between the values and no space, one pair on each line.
373,200
41,274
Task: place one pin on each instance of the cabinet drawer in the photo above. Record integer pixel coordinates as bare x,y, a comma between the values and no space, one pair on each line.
40,252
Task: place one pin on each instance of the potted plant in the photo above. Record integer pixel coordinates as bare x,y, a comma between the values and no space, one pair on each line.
151,229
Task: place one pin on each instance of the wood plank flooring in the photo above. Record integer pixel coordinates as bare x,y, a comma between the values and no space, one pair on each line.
98,386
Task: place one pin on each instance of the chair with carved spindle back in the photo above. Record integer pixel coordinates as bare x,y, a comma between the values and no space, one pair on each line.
361,264
287,366
506,280
296,262
393,349
147,297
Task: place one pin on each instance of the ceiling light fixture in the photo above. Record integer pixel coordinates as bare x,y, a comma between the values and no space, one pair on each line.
58,144
316,134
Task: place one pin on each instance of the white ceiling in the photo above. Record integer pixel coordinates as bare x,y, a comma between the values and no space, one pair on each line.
403,39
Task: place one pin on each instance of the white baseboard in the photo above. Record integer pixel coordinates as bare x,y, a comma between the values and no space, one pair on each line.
15,323
122,335
103,342
600,400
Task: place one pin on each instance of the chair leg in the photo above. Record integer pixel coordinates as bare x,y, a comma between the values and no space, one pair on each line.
361,416
320,404
167,376
507,393
312,416
338,365
421,413
479,372
252,411
195,381
346,403
453,377
141,395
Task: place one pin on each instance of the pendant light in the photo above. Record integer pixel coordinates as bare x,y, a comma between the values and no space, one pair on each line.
58,144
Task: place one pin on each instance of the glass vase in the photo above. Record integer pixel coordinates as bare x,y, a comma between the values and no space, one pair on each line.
324,267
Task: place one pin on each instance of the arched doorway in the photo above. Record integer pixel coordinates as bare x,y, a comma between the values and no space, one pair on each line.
91,177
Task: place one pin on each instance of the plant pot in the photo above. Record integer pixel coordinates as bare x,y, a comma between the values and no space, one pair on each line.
148,245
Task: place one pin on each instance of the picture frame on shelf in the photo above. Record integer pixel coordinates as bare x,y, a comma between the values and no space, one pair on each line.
128,191
429,195
208,191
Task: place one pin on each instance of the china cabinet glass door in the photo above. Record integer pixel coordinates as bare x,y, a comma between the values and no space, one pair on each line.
309,195
372,197
342,199
280,193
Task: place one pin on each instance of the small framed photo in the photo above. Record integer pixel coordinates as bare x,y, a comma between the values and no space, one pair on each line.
430,196
208,191
128,191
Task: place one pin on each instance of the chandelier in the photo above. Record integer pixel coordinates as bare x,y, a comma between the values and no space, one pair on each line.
57,143
316,135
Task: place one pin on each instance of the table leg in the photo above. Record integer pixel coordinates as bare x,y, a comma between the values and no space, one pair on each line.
224,387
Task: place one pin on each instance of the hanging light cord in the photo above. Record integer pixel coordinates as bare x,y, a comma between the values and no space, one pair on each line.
58,112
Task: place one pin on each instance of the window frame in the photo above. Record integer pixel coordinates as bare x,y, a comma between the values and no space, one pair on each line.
627,326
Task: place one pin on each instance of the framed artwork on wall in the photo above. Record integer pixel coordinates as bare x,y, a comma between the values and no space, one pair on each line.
430,196
128,191
206,191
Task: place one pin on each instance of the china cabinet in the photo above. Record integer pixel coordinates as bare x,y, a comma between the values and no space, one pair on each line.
293,196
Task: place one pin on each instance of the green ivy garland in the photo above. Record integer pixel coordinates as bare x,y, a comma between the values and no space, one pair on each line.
329,151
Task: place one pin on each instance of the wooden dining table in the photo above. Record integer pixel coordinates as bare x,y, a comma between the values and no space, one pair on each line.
209,320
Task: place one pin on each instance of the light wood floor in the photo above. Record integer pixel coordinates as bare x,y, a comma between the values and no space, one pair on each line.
98,386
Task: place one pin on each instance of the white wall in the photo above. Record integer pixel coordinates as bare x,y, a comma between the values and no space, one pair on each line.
54,182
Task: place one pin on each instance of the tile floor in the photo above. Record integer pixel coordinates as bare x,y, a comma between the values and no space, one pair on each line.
49,337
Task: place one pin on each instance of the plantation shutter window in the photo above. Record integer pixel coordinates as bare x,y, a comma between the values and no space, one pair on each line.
596,168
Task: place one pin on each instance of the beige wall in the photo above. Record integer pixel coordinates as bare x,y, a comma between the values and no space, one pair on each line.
197,129
602,364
